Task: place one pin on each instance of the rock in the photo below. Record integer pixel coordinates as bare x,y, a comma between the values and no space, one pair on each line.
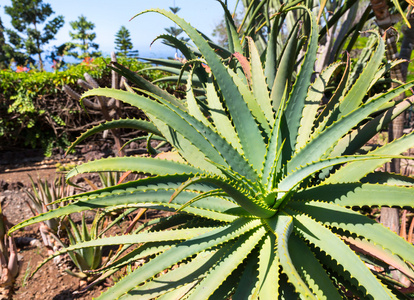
133,145
3,185
16,185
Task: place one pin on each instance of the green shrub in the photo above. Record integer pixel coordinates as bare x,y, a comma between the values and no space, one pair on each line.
36,112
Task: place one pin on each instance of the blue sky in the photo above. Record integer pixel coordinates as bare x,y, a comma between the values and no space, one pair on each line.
110,15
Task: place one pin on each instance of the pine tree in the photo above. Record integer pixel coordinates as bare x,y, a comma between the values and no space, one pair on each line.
27,18
173,30
123,43
82,33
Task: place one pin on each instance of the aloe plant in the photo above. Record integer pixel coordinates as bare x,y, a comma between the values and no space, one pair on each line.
265,184
41,197
9,268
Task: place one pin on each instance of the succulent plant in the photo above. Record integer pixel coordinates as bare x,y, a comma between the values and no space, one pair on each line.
9,264
265,184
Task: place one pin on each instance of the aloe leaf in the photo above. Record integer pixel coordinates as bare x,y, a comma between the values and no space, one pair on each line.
401,12
259,84
170,235
173,70
249,278
246,127
214,193
272,51
299,91
285,69
384,69
251,101
296,177
185,50
178,79
235,256
121,123
328,114
178,253
373,249
356,94
238,191
388,179
234,43
354,171
191,152
323,238
361,135
178,44
283,230
208,141
348,220
141,196
146,250
165,114
192,105
311,270
184,274
254,16
266,256
270,262
229,153
145,84
274,147
219,116
318,147
135,164
336,16
177,293
164,62
312,104
358,195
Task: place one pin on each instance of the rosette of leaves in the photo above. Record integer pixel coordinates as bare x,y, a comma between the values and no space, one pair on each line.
265,184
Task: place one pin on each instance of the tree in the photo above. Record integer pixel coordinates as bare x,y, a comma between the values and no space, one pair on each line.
220,31
173,30
123,43
82,33
27,16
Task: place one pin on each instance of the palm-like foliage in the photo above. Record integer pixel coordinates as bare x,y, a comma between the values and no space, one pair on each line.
268,181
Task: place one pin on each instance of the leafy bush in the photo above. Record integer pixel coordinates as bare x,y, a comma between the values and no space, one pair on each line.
264,182
37,113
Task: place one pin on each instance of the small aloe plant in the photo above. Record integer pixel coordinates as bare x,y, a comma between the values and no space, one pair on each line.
41,197
88,258
265,183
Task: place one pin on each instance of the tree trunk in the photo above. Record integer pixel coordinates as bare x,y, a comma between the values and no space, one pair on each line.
390,216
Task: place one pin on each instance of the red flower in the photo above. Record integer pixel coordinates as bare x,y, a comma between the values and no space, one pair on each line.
20,69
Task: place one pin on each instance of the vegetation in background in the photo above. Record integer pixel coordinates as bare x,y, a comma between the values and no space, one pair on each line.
27,18
8,53
83,39
123,43
37,113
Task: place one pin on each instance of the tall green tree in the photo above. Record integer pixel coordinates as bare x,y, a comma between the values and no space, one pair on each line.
174,30
123,43
3,58
83,36
28,16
